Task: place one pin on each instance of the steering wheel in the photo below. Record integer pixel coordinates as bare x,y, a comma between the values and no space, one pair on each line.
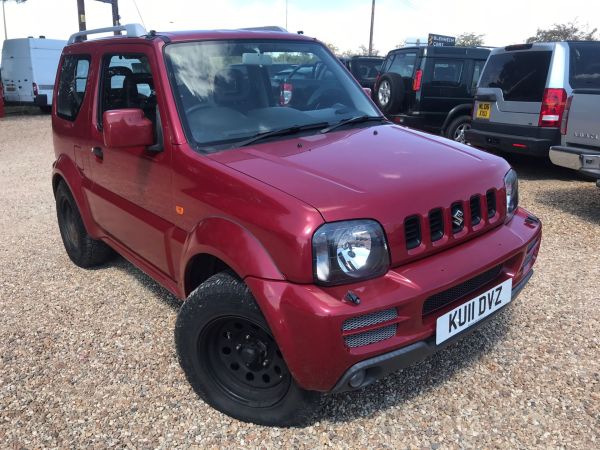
324,97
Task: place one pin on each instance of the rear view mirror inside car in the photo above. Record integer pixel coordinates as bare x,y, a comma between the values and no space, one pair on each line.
256,59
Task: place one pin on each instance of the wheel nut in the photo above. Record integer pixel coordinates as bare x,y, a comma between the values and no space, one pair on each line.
265,363
237,347
247,337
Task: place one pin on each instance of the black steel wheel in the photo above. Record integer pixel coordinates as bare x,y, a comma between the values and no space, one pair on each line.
83,250
244,360
232,360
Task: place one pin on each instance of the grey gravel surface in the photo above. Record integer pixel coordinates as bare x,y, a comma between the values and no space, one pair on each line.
87,356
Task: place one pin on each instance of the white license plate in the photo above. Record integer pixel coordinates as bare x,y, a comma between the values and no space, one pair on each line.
472,311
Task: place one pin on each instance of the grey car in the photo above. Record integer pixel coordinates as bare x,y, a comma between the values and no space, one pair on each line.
580,146
523,91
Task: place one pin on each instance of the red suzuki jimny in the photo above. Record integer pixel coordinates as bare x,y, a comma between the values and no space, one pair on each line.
318,246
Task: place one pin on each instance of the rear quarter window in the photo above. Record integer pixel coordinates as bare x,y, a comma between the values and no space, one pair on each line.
403,64
520,75
584,65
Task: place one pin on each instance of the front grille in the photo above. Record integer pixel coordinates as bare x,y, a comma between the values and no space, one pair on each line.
459,291
369,319
436,224
450,220
490,197
370,337
412,232
475,206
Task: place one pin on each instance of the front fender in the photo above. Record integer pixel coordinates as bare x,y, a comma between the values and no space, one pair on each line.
233,244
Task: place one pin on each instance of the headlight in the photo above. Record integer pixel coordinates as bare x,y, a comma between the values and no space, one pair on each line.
344,252
511,183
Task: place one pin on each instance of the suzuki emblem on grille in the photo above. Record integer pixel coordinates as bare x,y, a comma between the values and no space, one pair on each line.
458,218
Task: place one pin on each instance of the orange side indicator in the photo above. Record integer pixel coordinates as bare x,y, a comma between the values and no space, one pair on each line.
179,210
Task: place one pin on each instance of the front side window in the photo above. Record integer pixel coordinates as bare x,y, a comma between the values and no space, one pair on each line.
127,82
520,75
447,72
229,91
72,84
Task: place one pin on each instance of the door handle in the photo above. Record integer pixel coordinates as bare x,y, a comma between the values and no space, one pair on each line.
98,153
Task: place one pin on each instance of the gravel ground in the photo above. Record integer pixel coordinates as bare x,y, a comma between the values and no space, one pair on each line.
87,357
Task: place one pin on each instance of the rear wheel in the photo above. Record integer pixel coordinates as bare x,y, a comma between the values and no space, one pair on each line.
81,248
231,359
390,93
457,128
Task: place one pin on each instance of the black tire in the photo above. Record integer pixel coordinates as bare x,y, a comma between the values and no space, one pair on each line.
46,109
457,127
82,249
390,93
222,337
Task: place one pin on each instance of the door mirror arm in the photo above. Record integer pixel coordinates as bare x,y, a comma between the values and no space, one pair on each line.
158,146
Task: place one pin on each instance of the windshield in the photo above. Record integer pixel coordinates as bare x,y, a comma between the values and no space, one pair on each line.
229,91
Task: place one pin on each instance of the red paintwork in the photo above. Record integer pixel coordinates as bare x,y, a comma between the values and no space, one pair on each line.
257,208
127,128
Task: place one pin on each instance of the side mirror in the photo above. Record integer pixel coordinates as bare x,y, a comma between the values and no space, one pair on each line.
367,91
127,128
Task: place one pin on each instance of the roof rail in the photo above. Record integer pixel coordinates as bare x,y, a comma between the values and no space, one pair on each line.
132,30
267,28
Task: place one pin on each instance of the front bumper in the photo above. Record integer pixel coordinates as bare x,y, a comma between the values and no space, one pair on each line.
583,160
308,321
516,139
372,369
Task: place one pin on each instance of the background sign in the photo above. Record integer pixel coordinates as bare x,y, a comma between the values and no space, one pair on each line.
439,40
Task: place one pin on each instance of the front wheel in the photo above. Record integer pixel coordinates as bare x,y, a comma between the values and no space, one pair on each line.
457,128
231,359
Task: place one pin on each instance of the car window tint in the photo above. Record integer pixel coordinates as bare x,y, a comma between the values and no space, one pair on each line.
584,65
477,68
404,64
520,75
447,72
72,85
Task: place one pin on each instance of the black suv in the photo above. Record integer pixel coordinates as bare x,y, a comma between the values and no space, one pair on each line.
364,68
430,88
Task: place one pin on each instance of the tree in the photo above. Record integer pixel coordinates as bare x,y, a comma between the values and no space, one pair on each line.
470,40
334,49
570,31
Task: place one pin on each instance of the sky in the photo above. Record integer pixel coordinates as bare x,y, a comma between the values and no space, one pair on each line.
343,23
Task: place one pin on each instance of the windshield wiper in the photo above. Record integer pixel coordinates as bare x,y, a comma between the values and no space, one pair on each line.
281,132
351,120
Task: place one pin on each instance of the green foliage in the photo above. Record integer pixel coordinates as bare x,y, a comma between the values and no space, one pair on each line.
470,40
570,31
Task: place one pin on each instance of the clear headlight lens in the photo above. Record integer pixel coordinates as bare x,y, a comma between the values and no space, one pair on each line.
511,183
349,251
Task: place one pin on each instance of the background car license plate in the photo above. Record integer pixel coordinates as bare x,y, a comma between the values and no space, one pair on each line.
483,110
472,311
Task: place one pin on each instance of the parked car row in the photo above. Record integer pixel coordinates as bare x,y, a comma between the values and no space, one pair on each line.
514,99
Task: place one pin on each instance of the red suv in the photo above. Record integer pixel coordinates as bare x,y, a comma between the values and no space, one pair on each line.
318,246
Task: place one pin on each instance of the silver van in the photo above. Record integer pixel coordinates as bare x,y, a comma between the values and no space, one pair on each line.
522,93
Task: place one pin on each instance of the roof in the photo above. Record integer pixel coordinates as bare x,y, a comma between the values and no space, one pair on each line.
431,50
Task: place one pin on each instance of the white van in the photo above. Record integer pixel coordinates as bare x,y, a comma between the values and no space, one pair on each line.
29,69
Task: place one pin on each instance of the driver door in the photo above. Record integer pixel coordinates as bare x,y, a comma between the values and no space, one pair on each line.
131,193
